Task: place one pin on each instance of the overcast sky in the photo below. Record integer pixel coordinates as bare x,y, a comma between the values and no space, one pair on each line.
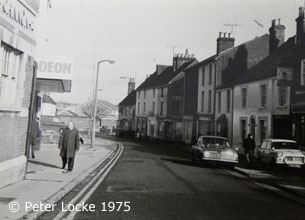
137,35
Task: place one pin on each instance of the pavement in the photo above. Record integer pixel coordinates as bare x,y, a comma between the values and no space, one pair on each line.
46,182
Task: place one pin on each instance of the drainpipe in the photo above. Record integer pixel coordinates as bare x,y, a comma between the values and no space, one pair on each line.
31,109
232,116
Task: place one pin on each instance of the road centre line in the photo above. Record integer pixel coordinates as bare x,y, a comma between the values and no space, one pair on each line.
94,183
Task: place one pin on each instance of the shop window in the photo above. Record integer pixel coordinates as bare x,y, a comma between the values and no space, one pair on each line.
10,67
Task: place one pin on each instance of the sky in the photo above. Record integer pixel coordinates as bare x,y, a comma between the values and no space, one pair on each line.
138,34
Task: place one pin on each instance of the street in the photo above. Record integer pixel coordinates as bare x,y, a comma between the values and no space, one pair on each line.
163,184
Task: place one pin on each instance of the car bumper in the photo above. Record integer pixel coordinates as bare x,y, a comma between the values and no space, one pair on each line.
219,160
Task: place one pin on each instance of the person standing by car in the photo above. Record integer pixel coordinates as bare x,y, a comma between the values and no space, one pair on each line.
68,145
249,146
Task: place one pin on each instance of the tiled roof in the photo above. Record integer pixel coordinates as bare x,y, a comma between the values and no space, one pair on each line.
163,78
267,67
129,99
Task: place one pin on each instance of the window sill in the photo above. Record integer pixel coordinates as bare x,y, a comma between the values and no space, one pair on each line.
282,107
9,109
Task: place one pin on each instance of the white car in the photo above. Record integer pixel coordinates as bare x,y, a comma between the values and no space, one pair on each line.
281,151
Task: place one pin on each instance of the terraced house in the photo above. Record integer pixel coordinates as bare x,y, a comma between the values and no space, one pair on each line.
269,98
152,116
205,112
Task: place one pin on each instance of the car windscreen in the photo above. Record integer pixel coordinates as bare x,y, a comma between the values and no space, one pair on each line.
285,145
214,142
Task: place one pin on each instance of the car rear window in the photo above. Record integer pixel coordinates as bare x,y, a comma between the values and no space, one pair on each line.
285,145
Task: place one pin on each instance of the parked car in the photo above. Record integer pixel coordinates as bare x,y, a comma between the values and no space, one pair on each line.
280,152
214,149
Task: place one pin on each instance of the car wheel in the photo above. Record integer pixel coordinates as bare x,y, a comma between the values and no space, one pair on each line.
231,166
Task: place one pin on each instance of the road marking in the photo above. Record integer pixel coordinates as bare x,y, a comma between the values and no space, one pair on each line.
92,185
274,189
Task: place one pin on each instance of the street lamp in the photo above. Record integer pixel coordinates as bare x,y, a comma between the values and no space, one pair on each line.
95,99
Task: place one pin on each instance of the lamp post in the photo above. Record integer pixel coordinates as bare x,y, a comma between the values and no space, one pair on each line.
95,99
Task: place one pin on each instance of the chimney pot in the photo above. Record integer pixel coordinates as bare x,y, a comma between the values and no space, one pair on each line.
224,34
220,34
279,21
301,11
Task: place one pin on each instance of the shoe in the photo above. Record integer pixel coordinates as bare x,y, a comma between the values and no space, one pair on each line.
33,156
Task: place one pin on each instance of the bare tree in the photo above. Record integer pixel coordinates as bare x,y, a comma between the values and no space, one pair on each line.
101,111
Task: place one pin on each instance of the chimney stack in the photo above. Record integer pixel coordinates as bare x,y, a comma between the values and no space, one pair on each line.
276,35
224,42
160,68
180,59
301,26
131,85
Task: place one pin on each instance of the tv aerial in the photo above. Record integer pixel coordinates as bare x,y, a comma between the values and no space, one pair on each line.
259,25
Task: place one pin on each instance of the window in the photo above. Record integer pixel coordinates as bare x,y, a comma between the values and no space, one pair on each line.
145,94
10,62
243,129
263,89
282,96
154,92
203,76
303,73
162,92
210,101
210,73
263,129
161,108
244,97
138,107
202,101
228,100
153,108
144,108
219,101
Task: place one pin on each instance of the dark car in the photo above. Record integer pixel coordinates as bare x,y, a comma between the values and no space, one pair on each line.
214,149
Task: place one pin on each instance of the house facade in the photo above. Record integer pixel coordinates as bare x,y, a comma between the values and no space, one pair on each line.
268,99
17,79
127,113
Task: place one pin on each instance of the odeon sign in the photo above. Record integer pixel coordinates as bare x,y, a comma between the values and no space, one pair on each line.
55,68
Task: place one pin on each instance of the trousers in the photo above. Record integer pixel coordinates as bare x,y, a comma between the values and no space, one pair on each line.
70,161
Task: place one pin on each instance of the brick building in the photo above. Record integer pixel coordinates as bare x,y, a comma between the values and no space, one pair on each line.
202,106
17,47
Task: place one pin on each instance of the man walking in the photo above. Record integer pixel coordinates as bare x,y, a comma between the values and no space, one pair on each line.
68,145
249,146
34,138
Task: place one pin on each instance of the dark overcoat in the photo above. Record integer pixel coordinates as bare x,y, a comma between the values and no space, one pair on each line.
69,142
35,132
